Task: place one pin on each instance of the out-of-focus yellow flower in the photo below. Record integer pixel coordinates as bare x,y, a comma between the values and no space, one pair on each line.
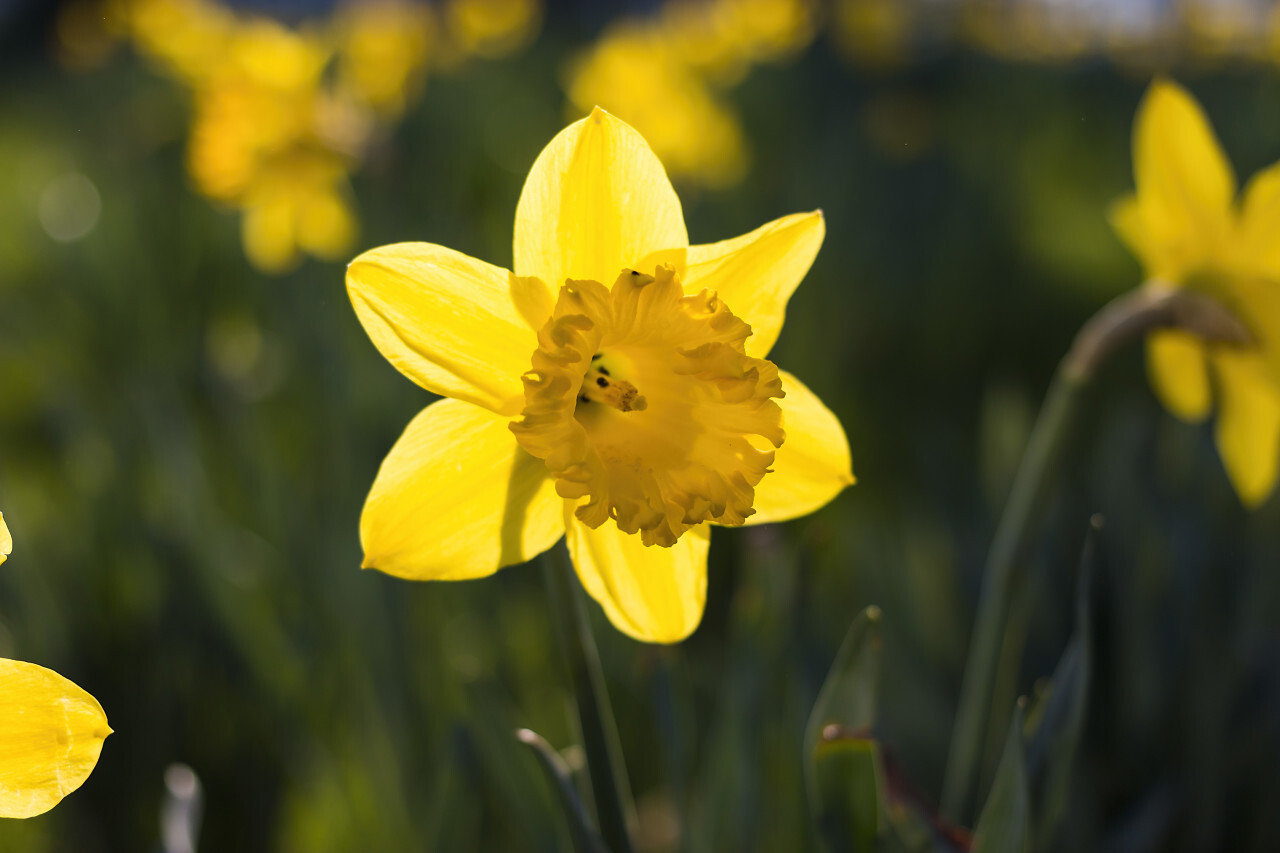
189,37
382,51
634,72
613,388
722,39
51,731
491,28
300,206
1188,230
660,75
282,114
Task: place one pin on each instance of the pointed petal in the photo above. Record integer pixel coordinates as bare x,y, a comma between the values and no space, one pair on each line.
6,541
811,467
654,594
596,201
1248,428
457,498
1185,184
755,274
445,320
51,734
1179,374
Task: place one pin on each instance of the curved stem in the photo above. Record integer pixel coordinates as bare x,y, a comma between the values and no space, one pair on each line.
1120,322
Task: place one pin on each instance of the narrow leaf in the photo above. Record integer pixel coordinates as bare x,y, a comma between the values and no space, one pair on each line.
842,760
1004,826
1052,750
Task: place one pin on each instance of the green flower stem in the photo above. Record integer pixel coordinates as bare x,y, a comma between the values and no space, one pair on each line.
994,650
609,787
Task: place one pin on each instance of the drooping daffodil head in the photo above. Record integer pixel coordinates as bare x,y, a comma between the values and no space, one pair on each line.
1188,229
613,387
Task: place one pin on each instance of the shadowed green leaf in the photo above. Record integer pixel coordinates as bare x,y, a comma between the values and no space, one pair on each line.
1060,713
1004,826
842,760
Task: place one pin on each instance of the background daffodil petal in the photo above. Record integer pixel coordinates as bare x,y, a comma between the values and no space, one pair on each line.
1260,223
597,200
1256,301
1185,184
1248,427
811,467
457,498
51,735
654,594
6,541
755,274
1179,374
1126,220
445,320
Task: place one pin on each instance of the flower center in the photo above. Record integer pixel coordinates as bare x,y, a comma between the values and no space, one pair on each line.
642,402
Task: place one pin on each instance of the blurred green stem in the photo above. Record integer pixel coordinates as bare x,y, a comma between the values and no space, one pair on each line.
993,646
609,788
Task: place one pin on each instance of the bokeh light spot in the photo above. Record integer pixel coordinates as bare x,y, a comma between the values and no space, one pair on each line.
69,207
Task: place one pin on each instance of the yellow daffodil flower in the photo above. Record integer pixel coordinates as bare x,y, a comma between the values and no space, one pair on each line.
613,388
1188,229
51,732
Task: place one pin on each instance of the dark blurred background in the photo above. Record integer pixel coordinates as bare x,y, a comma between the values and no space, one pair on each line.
190,414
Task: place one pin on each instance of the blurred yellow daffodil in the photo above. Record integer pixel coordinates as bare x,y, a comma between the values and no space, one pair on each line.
1188,230
51,732
613,388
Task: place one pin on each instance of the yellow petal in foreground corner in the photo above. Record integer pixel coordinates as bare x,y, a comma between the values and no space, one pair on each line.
6,541
613,387
51,734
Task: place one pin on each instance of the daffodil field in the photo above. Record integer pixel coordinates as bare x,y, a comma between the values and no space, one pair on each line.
639,427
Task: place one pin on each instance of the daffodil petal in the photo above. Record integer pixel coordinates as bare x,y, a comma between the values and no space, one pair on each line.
1179,374
51,735
1185,183
445,320
6,541
1256,300
1127,221
457,498
756,273
597,200
1260,222
811,467
654,594
1248,427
